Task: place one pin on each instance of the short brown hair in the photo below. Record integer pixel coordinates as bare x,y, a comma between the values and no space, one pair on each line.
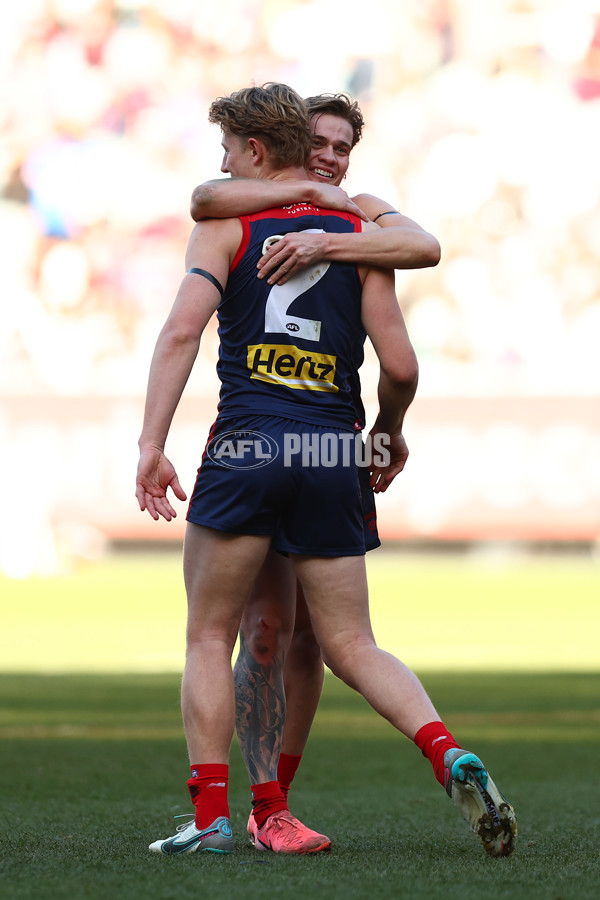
274,113
341,105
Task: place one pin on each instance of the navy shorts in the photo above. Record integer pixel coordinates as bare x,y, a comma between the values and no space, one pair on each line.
296,482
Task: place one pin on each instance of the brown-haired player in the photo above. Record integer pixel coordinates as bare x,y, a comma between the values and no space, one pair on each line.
227,541
279,669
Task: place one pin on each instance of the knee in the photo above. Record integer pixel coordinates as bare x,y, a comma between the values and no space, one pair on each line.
304,652
344,657
266,636
201,633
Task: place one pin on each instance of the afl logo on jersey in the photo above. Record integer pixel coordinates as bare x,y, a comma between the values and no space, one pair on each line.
243,450
291,326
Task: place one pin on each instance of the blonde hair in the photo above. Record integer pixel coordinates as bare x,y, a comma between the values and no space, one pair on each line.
275,114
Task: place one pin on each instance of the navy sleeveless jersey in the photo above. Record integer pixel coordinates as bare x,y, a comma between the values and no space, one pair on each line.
292,350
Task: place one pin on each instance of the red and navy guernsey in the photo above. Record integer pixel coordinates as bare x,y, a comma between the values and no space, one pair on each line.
293,350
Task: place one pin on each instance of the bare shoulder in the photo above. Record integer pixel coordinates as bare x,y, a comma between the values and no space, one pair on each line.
219,229
213,238
219,232
373,206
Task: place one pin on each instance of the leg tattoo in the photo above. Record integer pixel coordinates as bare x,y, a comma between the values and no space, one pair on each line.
260,712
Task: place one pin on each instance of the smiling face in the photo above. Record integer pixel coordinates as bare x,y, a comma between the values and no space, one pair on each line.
331,145
328,160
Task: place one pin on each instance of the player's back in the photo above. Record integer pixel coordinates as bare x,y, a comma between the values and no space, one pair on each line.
291,350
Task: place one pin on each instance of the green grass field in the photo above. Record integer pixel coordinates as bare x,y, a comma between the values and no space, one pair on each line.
127,614
93,761
92,769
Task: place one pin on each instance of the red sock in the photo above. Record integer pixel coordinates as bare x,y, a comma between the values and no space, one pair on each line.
208,790
286,770
267,798
433,740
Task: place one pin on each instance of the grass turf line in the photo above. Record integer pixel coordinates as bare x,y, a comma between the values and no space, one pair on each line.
92,768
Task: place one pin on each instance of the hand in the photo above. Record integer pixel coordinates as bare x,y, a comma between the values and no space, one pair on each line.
154,475
289,255
329,196
389,449
293,252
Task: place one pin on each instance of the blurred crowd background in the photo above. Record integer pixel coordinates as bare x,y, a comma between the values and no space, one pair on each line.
483,124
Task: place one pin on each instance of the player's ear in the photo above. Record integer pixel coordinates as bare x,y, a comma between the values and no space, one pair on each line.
257,150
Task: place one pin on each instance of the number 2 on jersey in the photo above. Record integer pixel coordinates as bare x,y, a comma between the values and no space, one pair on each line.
282,296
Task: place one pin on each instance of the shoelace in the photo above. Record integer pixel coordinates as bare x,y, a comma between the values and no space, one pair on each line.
189,816
283,822
280,819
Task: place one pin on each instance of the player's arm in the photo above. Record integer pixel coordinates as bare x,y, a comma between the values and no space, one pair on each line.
225,197
173,359
399,372
408,245
393,242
